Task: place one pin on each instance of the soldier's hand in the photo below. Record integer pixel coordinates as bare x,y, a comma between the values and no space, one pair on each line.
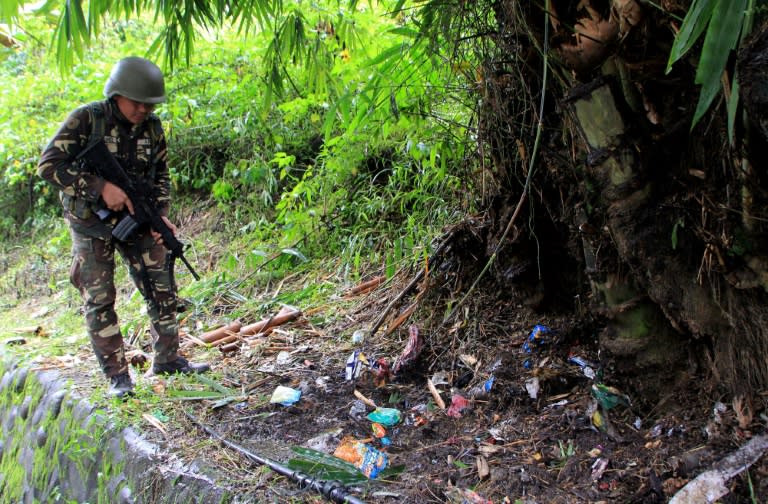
115,198
157,236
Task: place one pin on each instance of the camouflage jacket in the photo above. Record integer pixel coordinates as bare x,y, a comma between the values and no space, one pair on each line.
132,145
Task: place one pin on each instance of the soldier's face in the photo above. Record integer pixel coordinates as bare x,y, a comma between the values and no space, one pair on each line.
135,112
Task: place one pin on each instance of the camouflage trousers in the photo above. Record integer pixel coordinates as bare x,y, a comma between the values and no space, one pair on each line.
93,273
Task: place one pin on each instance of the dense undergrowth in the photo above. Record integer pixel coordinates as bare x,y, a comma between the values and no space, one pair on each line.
268,180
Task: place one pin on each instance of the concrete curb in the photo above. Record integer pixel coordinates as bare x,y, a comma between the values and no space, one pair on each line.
57,447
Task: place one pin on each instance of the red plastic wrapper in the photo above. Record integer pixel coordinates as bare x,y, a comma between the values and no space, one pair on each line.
458,404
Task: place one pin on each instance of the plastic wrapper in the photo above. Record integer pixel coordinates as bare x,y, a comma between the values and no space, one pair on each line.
356,363
385,416
285,396
483,389
368,459
537,338
378,430
609,397
535,341
458,404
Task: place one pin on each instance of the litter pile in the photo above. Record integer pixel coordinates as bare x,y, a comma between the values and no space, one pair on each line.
526,413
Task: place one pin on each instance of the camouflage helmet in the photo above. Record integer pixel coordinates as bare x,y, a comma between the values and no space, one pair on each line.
136,78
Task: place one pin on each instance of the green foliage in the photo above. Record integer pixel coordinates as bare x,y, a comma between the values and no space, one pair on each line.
327,467
564,452
360,152
726,23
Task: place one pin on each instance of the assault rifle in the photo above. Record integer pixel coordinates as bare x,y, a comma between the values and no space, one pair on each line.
145,213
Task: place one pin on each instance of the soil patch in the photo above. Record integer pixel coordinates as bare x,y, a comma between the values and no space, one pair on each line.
545,420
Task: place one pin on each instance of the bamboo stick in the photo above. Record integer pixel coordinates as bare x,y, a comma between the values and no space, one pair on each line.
400,319
285,314
221,332
435,394
364,287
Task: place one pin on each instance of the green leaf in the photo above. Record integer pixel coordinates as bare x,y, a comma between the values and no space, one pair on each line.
193,395
394,54
319,457
9,9
397,7
722,36
325,472
213,384
680,223
733,105
227,400
404,31
733,101
694,23
295,253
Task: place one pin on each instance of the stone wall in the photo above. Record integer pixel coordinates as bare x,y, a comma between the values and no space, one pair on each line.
55,447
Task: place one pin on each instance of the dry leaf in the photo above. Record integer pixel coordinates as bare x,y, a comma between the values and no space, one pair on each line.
489,449
155,423
743,409
482,467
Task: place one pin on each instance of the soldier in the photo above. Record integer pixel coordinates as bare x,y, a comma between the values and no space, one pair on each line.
93,206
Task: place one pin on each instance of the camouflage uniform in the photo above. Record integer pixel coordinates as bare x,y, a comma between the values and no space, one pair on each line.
142,151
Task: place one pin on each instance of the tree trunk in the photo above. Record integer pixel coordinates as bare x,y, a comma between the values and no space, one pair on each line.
667,221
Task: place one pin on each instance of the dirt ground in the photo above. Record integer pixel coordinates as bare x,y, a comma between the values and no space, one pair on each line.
538,434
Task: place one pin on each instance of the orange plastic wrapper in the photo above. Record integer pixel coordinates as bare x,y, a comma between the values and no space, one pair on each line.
378,430
368,459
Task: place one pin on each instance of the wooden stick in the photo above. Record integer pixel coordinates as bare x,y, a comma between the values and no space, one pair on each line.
220,332
400,319
229,338
31,329
435,394
367,401
416,279
231,347
364,287
284,315
189,340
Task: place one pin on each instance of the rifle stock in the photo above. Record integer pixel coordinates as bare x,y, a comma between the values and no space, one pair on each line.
145,212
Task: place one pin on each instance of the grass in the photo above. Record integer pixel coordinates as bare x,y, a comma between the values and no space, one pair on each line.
35,293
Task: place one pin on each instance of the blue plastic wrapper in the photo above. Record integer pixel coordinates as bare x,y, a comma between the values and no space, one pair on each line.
385,416
356,362
483,389
285,396
537,338
488,385
587,367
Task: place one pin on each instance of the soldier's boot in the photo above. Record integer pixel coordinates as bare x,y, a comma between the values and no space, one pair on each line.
180,365
120,386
